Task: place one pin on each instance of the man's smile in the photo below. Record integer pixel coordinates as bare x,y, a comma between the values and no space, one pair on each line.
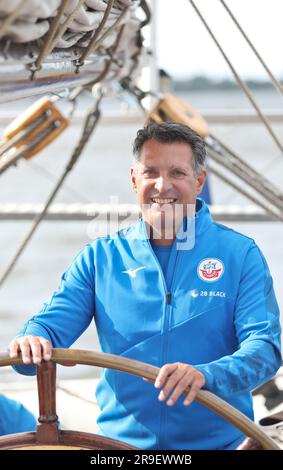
163,200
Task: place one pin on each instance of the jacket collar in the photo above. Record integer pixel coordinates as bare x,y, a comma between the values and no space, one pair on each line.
203,216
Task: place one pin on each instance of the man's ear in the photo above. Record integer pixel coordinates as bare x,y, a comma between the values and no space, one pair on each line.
134,178
200,181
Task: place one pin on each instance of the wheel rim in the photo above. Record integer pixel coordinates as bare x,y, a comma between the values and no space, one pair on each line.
139,369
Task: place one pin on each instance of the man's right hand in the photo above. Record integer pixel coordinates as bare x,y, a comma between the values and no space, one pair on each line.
33,349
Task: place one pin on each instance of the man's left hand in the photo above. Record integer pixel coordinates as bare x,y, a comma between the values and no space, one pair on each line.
176,378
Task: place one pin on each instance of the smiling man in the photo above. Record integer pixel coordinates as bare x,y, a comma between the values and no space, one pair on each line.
176,290
167,179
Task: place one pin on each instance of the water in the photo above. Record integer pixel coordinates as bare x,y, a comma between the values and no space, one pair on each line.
103,171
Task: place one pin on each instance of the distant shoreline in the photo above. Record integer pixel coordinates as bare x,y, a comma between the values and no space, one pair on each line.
200,83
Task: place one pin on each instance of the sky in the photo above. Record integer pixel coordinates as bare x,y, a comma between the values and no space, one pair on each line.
184,48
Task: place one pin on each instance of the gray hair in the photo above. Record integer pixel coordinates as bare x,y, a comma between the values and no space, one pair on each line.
169,132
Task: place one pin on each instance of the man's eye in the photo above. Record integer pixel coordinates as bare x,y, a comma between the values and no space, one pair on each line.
149,172
178,173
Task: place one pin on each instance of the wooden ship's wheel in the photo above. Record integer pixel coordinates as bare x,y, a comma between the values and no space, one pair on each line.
49,436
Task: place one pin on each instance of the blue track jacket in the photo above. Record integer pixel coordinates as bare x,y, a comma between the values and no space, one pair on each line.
215,309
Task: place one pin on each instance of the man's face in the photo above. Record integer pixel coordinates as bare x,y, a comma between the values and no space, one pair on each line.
165,183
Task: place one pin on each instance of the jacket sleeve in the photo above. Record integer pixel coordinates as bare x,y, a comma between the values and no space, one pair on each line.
69,311
257,329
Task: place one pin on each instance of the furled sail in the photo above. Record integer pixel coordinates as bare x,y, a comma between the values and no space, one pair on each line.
56,44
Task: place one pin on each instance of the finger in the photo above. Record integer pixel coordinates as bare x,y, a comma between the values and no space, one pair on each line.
179,389
194,389
14,348
35,347
46,349
24,345
164,373
171,384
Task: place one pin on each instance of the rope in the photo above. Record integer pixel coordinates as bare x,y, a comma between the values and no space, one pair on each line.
272,192
54,35
228,159
12,159
76,395
13,16
147,13
66,23
139,40
240,188
109,62
109,31
242,85
40,170
9,157
5,146
274,80
49,38
80,61
89,126
78,90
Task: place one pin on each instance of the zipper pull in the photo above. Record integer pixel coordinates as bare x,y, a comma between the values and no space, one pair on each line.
168,298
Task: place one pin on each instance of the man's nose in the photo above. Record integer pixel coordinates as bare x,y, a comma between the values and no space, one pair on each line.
163,183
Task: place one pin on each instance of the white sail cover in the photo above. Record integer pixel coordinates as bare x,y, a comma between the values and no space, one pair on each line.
33,18
24,27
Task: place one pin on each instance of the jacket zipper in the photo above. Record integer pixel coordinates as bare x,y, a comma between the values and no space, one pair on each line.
168,298
166,325
168,307
167,315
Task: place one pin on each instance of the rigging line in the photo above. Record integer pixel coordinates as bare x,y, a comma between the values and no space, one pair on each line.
54,37
139,40
80,62
259,195
109,61
91,121
66,24
74,394
8,144
128,85
238,187
263,170
51,177
274,80
49,38
246,172
77,91
248,169
240,82
12,159
109,30
13,16
144,6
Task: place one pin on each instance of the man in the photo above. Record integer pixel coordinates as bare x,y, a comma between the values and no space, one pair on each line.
176,290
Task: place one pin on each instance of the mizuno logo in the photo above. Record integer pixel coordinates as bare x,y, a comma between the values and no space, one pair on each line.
133,272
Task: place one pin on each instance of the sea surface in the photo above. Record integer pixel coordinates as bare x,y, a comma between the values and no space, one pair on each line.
101,173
